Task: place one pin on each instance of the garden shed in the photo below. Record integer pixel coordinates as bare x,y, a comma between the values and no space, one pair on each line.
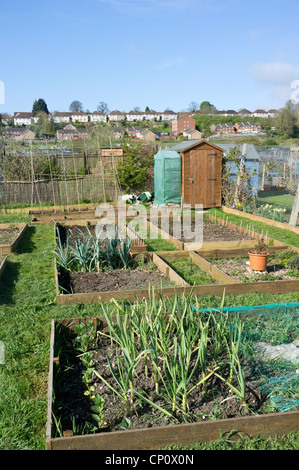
167,177
201,173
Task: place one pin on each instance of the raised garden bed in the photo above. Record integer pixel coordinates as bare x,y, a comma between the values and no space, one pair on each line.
257,218
113,281
76,228
111,268
222,282
216,233
10,236
135,282
284,265
76,213
146,417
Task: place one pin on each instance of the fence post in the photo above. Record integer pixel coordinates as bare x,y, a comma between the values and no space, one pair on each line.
295,210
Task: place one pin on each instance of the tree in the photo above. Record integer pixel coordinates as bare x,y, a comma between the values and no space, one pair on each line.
76,106
136,165
193,106
39,106
103,107
284,122
207,108
236,191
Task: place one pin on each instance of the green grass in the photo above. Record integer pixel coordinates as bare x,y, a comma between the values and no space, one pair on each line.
159,244
284,201
27,305
190,271
288,442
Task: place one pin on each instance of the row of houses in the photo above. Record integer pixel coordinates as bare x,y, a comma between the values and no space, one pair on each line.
26,119
20,134
238,128
261,113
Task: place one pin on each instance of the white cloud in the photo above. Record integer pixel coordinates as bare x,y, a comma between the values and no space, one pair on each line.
274,73
277,77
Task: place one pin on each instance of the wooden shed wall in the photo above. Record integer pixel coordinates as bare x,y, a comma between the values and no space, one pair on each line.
203,165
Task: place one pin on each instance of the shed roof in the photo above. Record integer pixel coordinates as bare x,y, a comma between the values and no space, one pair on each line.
186,145
252,153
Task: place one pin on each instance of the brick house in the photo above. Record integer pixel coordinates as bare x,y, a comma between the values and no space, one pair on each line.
19,134
192,134
182,124
223,128
248,127
134,132
72,134
148,136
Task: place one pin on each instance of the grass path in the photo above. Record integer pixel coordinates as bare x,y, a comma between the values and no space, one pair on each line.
27,305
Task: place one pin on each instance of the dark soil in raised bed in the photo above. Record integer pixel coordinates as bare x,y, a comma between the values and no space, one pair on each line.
8,235
119,279
212,232
69,395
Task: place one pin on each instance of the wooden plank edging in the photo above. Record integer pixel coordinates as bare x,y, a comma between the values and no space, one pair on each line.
263,220
3,262
213,271
169,271
9,248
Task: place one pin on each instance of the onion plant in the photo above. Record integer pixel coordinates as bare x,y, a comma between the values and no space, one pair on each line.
179,347
123,376
241,391
62,251
234,345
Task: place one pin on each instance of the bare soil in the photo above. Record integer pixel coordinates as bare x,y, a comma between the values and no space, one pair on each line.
116,280
8,235
239,269
212,232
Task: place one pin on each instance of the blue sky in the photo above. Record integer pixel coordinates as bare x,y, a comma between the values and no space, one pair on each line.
156,53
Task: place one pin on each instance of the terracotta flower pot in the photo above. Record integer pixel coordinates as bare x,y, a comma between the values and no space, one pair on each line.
258,261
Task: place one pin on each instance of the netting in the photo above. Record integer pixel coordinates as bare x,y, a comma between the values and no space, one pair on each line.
167,177
274,332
